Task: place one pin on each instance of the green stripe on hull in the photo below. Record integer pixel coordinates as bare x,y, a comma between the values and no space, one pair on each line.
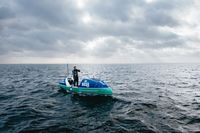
93,91
64,87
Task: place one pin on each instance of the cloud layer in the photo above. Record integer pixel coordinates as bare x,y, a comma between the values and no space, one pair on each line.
96,31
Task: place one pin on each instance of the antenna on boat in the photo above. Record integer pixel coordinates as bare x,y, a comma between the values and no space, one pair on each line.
67,70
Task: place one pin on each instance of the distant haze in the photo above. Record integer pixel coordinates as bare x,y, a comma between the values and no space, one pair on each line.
99,31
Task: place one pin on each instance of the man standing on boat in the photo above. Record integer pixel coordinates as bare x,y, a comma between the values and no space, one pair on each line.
75,75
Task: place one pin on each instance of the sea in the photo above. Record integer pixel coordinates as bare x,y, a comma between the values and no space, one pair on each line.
147,98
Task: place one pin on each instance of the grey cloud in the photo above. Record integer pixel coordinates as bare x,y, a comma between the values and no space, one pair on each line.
157,18
6,13
160,44
48,11
145,25
107,48
161,13
54,28
117,10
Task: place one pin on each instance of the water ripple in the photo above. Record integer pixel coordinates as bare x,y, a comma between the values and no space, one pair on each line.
146,98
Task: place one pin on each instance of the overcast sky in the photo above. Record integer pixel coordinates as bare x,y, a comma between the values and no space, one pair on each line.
99,31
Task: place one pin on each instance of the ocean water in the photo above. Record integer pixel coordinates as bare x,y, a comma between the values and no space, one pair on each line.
159,98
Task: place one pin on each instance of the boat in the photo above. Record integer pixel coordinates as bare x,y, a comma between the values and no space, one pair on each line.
87,87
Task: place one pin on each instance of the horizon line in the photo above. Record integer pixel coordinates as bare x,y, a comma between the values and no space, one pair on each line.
99,63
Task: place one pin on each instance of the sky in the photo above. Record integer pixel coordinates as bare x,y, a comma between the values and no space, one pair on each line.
99,31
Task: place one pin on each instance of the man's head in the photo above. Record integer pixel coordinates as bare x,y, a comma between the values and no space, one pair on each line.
74,67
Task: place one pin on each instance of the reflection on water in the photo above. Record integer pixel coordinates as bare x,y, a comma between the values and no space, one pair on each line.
146,98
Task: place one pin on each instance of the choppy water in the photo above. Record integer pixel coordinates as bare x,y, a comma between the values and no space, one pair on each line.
147,98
